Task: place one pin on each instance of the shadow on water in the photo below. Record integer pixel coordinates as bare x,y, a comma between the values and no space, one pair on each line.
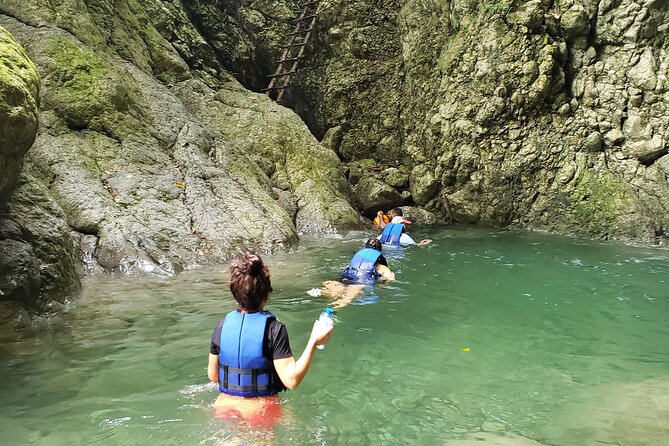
486,338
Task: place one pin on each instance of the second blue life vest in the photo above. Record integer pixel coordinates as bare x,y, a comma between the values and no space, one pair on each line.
243,370
391,234
363,265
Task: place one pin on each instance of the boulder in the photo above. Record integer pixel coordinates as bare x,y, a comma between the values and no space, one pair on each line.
419,215
529,15
20,279
663,165
332,138
592,143
38,253
396,177
574,21
647,151
257,125
643,75
355,173
19,91
372,194
423,184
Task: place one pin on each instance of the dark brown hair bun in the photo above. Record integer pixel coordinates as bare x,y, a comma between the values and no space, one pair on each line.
249,281
250,264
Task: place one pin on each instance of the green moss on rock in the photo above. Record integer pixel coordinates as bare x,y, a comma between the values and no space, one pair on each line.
86,91
602,204
19,92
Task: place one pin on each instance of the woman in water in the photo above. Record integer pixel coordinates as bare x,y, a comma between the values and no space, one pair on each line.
367,266
250,356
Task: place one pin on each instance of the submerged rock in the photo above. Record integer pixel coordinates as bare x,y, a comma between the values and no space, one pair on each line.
634,414
490,439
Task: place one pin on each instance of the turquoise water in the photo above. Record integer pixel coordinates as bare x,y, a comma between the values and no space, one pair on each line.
568,339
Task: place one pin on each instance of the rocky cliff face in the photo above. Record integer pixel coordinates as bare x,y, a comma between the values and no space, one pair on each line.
19,94
36,251
539,114
150,155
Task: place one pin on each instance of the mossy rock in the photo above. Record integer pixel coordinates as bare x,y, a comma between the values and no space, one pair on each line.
606,206
88,92
373,195
19,96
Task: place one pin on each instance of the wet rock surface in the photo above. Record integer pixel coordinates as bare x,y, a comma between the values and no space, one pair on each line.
19,95
373,195
36,253
150,156
539,115
157,157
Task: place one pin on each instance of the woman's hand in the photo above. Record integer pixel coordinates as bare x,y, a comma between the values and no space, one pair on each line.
320,334
292,372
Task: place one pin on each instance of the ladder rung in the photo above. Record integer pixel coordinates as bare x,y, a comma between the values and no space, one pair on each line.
301,31
265,90
294,45
308,17
289,59
288,73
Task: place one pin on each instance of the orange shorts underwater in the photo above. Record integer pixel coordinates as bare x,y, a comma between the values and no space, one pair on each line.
260,412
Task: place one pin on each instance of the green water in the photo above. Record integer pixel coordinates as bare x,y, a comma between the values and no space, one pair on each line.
569,346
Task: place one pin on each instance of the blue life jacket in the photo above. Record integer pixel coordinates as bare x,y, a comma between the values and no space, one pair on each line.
391,233
363,265
243,370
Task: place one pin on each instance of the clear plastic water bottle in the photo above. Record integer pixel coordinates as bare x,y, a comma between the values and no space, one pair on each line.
327,318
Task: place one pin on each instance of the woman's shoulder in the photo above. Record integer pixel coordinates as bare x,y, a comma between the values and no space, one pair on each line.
276,329
275,323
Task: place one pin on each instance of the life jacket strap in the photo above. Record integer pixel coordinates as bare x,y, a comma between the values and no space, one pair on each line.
255,388
227,369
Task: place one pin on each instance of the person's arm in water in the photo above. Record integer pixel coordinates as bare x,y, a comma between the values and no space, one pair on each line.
386,273
406,240
214,348
292,372
380,220
212,368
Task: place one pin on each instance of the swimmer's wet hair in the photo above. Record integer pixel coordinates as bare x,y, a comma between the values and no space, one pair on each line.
398,211
374,244
249,281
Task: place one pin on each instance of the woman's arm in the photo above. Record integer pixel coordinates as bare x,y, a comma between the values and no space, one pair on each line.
292,372
386,273
212,368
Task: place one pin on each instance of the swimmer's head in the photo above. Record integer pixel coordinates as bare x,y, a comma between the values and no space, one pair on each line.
397,212
249,282
373,243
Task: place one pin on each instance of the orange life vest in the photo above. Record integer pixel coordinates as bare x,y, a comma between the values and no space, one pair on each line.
386,220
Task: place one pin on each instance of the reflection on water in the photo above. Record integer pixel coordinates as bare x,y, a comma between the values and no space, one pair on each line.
491,338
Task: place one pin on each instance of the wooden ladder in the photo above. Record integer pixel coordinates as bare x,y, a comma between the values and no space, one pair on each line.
293,51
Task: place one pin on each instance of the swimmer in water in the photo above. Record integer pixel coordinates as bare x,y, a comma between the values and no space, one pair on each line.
250,356
395,233
366,266
381,220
